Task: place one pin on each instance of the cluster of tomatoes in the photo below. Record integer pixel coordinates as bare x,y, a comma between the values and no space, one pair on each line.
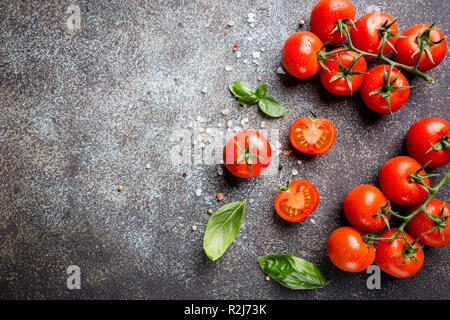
248,153
367,208
383,88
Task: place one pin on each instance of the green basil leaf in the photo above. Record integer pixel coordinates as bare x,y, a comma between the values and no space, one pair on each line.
249,100
222,228
292,272
261,91
240,89
271,107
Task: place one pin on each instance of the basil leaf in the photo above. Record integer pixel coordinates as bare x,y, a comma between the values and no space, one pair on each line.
261,91
240,89
249,100
222,228
292,272
271,107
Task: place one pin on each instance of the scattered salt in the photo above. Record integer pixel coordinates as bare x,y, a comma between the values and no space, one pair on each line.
198,192
280,70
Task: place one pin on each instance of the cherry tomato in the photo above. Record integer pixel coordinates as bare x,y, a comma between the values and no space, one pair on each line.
300,54
348,251
396,184
406,48
421,224
374,81
312,135
326,14
428,140
297,201
366,33
340,86
247,154
386,259
361,204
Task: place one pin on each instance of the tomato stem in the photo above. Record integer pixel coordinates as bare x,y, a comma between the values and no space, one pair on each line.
412,69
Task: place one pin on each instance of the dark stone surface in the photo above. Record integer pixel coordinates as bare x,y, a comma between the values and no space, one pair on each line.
85,111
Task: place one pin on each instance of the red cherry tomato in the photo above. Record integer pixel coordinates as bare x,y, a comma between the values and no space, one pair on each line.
429,140
300,54
348,251
312,135
366,33
396,184
386,259
374,81
247,154
326,14
297,201
406,48
340,86
361,204
421,224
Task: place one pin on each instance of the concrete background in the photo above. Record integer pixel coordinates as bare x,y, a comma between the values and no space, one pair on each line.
85,111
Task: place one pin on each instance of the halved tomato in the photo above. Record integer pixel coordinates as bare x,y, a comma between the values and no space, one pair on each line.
296,201
312,135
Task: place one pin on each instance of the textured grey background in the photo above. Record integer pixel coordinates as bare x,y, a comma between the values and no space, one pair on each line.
85,111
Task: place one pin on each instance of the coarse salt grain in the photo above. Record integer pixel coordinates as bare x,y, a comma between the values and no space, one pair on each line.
256,54
237,129
228,68
280,70
198,192
230,23
256,62
263,124
225,112
245,61
220,171
238,54
294,172
230,123
204,90
201,129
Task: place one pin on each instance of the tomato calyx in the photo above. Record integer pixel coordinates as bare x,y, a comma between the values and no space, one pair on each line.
385,33
346,72
442,143
247,156
418,178
286,187
343,25
384,211
387,87
424,42
439,222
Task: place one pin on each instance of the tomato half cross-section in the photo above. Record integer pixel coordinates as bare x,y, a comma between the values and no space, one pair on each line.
247,154
312,135
296,201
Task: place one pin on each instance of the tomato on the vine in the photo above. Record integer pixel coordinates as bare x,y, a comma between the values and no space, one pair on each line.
312,135
360,206
384,95
388,255
324,19
296,201
348,251
420,225
366,34
430,38
428,141
396,181
300,54
339,79
247,154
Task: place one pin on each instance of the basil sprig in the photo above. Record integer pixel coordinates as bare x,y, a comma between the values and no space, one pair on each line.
292,272
248,96
222,229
